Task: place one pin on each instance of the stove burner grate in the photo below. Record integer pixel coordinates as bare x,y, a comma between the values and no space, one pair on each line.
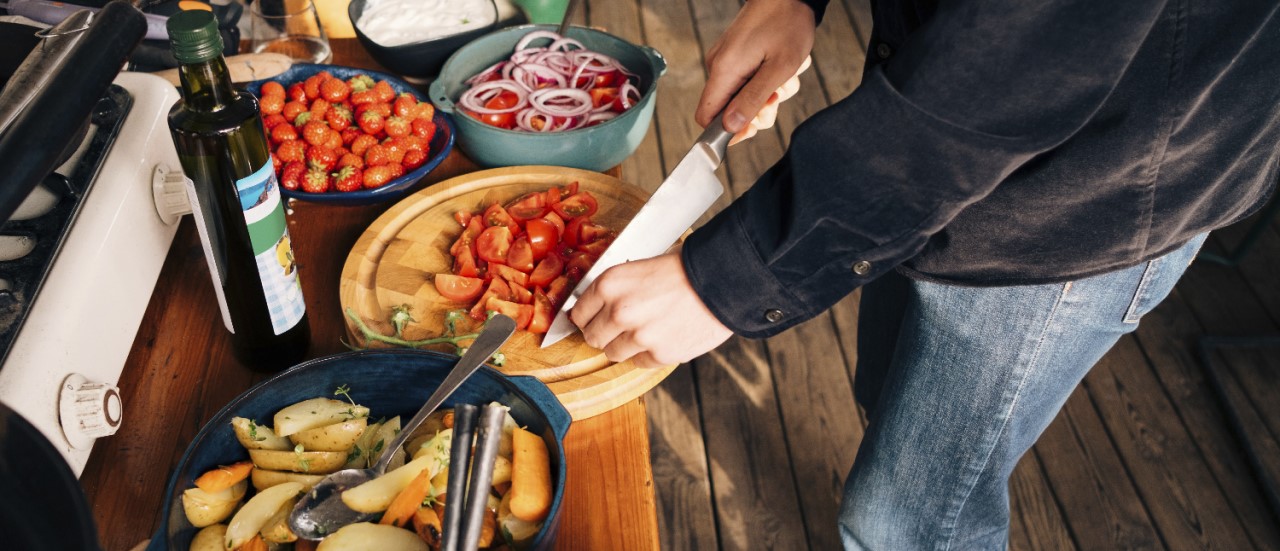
21,278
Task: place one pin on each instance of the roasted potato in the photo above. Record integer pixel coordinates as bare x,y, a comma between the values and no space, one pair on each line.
254,436
204,508
338,437
209,539
316,412
375,495
263,478
299,461
251,518
276,530
364,536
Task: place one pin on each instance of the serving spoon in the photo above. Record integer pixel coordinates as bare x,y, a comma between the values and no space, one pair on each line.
321,511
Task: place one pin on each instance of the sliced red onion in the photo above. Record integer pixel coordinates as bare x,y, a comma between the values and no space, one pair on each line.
474,99
625,94
484,75
600,117
524,42
561,102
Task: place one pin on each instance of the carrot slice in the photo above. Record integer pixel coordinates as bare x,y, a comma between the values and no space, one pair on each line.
255,544
408,501
224,477
530,477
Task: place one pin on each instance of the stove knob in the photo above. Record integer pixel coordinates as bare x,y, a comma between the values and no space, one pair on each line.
169,187
89,410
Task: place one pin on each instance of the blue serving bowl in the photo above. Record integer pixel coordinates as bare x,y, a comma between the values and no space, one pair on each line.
441,143
389,382
597,148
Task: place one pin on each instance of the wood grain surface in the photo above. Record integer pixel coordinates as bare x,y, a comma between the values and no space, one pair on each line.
181,372
395,259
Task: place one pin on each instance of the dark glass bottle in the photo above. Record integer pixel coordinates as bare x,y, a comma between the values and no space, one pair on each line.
236,201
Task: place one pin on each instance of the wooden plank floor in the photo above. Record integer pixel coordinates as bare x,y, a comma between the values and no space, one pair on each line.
751,442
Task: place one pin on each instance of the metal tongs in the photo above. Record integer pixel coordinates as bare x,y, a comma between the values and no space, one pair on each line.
466,496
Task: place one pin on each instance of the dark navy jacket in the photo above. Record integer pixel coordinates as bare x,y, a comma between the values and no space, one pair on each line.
1005,142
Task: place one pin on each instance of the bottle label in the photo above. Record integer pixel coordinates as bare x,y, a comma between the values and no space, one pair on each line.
264,213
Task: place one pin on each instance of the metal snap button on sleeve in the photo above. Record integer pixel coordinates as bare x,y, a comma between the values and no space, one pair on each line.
862,267
884,51
773,315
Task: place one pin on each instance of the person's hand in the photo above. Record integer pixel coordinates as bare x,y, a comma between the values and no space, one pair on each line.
648,312
769,113
763,48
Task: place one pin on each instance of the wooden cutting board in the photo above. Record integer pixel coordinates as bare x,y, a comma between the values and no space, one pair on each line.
394,260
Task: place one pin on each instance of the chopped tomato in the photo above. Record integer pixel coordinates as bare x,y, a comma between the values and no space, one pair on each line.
463,217
464,263
559,290
493,244
497,289
543,235
552,196
578,204
546,271
589,232
573,231
528,206
500,101
611,78
597,247
603,96
522,313
521,294
556,221
520,256
578,265
571,189
495,215
543,312
458,288
468,238
510,274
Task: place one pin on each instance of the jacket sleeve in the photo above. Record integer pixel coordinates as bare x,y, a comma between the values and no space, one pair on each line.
978,90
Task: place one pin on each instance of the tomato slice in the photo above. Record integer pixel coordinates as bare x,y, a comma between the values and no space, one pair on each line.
603,96
573,231
543,312
463,217
578,264
495,215
559,290
552,196
528,206
497,289
501,101
597,247
546,271
590,232
571,189
520,256
543,235
611,78
522,313
468,237
510,274
576,205
556,221
494,244
521,294
464,264
459,288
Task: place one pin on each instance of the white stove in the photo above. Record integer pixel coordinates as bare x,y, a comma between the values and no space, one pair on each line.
102,232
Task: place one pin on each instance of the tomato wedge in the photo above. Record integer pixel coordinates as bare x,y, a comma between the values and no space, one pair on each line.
463,217
521,294
493,244
458,288
543,312
559,290
465,265
522,313
578,204
578,264
497,289
495,215
528,206
510,274
520,256
468,237
603,96
543,235
547,270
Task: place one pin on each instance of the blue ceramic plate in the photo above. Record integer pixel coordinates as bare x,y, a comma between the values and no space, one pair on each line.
389,382
441,143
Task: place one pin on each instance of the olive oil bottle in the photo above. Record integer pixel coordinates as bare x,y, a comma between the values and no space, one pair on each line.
236,201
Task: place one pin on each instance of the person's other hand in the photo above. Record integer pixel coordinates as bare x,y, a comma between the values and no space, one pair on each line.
763,47
769,113
648,312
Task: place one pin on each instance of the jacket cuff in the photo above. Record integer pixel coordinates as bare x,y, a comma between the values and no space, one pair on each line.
727,273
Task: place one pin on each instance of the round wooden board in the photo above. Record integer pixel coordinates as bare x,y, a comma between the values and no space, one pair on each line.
394,260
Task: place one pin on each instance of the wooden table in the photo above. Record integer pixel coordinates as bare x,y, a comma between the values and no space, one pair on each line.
181,371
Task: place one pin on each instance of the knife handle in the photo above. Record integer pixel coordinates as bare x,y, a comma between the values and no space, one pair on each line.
715,138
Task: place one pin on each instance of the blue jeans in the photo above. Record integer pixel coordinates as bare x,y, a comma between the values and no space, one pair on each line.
959,382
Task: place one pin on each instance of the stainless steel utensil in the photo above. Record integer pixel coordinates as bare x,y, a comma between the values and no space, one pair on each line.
688,192
321,512
464,428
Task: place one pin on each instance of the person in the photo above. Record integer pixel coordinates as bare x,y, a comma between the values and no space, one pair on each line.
1013,185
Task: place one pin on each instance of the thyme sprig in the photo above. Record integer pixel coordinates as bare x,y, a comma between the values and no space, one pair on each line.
401,316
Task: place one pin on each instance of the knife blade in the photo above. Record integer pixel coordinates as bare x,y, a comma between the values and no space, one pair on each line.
684,196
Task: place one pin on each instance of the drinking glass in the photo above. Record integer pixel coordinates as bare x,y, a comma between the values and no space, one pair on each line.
289,27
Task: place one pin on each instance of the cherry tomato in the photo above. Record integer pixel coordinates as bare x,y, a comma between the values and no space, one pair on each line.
521,294
522,313
494,244
501,101
528,206
557,222
520,256
510,274
468,237
547,270
495,215
603,96
611,78
458,288
573,232
578,204
463,217
543,312
543,235
464,263
497,289
578,265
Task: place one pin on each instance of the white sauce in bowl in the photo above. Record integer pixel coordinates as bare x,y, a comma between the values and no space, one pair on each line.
399,22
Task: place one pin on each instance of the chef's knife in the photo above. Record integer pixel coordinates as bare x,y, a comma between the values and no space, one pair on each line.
687,193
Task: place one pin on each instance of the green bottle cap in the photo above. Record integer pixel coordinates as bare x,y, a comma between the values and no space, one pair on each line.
194,36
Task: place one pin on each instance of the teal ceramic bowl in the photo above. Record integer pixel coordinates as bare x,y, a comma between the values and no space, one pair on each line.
597,148
390,382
